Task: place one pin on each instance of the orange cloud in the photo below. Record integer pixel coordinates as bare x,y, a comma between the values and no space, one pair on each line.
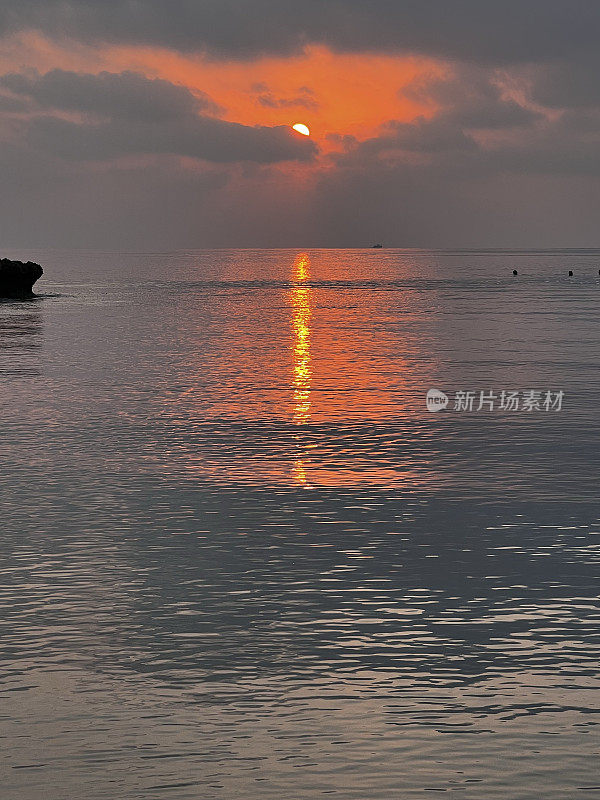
334,94
340,94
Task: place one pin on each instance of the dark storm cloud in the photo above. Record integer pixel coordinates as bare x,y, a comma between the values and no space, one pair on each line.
127,114
490,31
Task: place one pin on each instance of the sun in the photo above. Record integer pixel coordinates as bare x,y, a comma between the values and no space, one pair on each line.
303,129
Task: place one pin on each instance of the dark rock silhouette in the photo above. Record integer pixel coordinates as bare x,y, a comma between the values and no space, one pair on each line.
17,277
377,246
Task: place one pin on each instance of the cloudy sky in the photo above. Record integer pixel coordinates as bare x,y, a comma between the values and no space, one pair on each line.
162,124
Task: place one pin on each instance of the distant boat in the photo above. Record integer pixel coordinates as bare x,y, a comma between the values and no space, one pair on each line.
377,246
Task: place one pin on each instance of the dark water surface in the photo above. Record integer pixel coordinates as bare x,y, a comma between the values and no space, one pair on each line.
241,560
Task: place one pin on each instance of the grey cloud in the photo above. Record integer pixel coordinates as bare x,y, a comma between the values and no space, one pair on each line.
141,116
487,31
422,136
580,121
299,101
202,138
78,205
304,98
466,103
568,145
495,115
50,203
12,104
478,130
127,95
471,98
568,85
444,206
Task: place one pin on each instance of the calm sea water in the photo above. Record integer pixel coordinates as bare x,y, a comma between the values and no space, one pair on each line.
241,560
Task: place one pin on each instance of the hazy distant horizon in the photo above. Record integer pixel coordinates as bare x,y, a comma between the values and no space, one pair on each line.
297,248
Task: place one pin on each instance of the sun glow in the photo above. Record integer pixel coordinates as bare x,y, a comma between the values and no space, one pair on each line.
303,129
342,94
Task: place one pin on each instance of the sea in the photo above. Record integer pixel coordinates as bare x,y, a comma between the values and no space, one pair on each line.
243,557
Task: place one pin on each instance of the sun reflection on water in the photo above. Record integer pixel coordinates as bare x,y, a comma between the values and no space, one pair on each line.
301,315
301,358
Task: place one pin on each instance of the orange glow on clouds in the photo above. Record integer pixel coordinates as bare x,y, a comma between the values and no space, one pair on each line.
334,94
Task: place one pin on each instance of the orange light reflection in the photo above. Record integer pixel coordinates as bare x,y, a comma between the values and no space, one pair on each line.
301,315
302,368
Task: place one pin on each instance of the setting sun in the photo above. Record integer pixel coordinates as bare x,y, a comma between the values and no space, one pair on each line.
303,129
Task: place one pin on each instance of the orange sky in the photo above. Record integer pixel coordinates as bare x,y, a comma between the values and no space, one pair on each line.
345,94
353,95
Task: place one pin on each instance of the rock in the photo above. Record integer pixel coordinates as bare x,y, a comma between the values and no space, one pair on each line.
17,278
